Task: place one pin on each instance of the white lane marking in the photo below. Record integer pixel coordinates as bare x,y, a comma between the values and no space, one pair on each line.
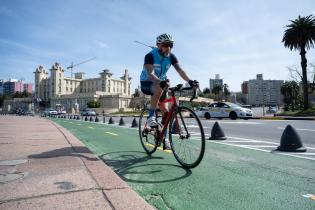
253,140
232,141
249,123
298,129
267,142
253,145
194,126
263,150
114,134
237,145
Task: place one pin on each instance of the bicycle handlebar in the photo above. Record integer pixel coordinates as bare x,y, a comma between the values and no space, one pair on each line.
180,88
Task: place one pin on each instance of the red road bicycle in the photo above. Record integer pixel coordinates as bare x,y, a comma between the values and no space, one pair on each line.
185,131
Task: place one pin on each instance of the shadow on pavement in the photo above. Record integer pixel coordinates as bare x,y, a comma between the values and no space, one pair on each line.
66,151
132,166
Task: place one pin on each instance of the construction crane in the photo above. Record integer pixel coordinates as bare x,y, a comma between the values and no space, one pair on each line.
77,64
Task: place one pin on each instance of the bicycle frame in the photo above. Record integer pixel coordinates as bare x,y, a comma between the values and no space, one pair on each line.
173,101
174,105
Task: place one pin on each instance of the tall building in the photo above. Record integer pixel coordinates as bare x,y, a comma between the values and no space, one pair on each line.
28,87
74,93
243,96
1,86
216,81
12,86
244,87
264,92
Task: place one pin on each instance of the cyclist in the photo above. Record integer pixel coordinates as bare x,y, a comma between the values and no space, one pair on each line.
153,76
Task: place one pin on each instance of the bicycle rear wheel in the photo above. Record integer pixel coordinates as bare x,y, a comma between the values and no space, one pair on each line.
187,137
147,134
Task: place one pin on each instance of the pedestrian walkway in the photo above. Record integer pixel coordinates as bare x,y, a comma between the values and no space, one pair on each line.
43,166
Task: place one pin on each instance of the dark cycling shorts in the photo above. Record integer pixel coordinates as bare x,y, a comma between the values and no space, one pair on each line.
146,87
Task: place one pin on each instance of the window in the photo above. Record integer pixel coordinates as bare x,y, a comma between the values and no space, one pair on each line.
70,89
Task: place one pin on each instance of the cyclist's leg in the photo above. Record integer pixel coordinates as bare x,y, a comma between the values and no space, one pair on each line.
152,88
156,94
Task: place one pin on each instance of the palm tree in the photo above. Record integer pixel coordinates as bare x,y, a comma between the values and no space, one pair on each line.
290,92
300,35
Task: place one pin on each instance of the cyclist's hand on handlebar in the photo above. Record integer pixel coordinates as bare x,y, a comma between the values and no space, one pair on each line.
193,83
164,84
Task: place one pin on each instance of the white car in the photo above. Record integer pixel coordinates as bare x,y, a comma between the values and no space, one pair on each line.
224,110
62,112
50,112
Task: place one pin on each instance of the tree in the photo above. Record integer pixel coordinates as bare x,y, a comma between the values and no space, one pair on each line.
206,91
300,35
226,91
137,93
4,97
217,89
290,92
94,104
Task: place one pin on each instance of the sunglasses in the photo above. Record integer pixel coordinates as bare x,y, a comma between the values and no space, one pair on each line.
167,45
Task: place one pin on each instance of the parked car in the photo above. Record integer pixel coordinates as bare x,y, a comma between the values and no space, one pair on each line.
19,111
62,112
50,112
29,113
224,110
272,110
88,112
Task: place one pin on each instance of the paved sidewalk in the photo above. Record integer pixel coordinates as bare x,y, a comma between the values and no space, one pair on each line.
43,166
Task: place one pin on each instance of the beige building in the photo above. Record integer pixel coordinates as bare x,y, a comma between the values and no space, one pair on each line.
264,92
74,93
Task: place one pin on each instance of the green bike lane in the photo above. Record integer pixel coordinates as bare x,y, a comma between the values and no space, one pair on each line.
227,178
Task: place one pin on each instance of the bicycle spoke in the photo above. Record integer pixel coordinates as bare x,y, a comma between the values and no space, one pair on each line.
187,150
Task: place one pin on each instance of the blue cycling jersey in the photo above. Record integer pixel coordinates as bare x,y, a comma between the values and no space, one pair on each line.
161,64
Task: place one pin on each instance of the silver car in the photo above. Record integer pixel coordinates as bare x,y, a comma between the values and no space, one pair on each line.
88,112
50,112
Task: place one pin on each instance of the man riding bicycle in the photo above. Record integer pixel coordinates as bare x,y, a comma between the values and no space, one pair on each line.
153,76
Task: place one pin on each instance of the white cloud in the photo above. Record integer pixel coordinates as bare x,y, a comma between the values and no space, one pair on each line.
101,44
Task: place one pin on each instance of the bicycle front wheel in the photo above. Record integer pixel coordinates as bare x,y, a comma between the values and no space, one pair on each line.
147,134
187,137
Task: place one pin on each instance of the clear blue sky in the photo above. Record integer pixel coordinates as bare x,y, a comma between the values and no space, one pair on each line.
236,39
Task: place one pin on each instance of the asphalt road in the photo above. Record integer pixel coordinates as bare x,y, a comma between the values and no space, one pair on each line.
241,172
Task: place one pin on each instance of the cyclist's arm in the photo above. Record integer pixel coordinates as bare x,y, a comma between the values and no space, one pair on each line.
150,70
181,72
148,66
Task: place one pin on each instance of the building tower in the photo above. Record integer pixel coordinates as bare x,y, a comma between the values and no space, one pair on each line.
127,79
40,75
56,81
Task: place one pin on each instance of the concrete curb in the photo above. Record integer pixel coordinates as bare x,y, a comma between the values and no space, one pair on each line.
115,190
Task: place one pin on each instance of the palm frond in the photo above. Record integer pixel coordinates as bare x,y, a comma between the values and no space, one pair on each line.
300,33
